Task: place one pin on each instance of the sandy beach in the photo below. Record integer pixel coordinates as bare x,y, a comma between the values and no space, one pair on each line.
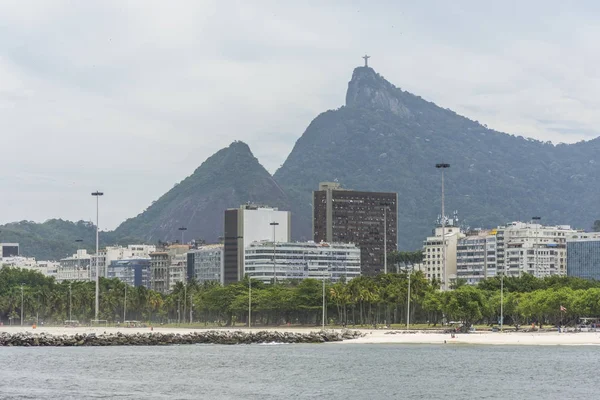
371,336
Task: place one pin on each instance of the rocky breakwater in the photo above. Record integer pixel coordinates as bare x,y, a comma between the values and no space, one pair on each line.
165,339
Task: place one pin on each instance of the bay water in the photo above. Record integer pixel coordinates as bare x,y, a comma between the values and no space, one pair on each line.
326,371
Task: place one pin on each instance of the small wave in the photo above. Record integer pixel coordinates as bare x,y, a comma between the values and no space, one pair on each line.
272,344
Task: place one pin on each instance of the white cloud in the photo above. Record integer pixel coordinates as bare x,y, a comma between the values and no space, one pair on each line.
130,97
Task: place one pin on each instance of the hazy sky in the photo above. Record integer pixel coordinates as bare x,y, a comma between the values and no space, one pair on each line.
129,97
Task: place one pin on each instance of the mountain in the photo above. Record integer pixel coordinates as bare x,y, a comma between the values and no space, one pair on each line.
386,139
227,179
53,239
382,139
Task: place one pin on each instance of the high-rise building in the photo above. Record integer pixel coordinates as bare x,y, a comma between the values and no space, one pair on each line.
247,224
301,260
433,254
476,257
583,258
9,250
167,267
205,263
113,253
532,248
367,219
132,271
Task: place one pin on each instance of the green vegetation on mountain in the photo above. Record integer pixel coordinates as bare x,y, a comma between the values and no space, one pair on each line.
386,139
227,179
53,239
383,139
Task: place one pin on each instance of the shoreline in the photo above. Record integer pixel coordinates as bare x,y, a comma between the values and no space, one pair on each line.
367,336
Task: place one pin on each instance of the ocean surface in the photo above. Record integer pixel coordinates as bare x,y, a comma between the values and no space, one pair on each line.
326,371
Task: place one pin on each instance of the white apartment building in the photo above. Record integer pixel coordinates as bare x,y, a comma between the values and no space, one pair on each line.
533,248
206,262
46,268
433,254
177,270
476,257
75,268
167,267
247,224
301,260
116,253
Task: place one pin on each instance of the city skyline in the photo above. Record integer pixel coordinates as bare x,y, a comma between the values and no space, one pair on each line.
121,86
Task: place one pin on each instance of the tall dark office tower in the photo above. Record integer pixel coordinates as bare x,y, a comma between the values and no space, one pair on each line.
367,219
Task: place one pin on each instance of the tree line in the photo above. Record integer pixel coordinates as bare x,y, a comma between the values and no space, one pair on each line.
363,301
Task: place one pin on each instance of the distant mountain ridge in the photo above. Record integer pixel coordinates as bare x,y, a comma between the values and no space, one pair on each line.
229,178
386,139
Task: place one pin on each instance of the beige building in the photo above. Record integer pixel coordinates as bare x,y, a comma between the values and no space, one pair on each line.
166,266
433,255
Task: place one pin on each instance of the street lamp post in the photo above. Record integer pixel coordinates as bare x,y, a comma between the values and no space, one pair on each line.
408,303
274,225
182,229
70,303
22,303
125,305
502,303
323,322
249,301
184,300
191,308
97,194
443,166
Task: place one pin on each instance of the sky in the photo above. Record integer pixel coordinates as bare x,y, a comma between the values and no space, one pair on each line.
130,97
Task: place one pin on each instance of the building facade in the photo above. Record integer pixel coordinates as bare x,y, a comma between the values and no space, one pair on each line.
247,224
301,260
476,257
206,263
132,271
532,248
113,253
9,250
583,258
167,267
367,219
75,268
433,255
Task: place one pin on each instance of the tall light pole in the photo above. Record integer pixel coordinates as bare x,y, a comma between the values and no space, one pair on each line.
97,194
323,322
535,220
182,229
22,303
70,304
191,307
249,301
274,225
125,305
184,300
443,166
408,303
502,303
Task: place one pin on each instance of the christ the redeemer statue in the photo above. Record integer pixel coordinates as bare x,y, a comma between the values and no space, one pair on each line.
366,57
